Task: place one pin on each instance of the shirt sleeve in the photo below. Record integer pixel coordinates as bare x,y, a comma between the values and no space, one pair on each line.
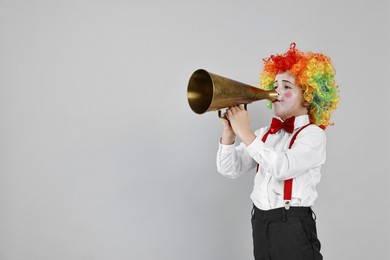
307,152
233,161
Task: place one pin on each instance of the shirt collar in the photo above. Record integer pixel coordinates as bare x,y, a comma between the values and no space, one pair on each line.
301,121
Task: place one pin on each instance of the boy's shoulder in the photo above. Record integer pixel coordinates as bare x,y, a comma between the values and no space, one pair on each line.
312,130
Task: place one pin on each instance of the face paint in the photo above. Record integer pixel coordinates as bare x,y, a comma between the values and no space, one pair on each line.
290,99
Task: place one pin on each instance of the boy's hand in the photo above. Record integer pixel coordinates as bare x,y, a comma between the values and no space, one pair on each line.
240,123
228,134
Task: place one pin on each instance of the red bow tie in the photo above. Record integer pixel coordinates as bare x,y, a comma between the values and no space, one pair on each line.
287,125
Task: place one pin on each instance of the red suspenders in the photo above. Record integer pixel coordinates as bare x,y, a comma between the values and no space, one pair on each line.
287,183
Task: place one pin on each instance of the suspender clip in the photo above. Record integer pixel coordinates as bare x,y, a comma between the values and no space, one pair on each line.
287,204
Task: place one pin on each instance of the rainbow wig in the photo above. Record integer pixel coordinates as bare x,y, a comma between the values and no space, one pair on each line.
314,73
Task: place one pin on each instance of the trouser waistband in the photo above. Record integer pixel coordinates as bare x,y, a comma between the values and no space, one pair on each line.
283,213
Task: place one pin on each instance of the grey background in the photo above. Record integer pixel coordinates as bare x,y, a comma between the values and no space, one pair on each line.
101,157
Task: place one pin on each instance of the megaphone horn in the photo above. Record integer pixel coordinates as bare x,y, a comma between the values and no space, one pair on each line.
209,92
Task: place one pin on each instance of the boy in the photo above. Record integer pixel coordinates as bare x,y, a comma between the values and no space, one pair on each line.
288,155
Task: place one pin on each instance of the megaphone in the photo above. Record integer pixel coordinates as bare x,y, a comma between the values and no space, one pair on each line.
210,92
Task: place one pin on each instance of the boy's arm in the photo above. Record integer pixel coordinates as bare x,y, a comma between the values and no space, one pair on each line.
234,161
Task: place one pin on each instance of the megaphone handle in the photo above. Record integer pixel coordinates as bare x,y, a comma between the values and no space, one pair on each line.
220,115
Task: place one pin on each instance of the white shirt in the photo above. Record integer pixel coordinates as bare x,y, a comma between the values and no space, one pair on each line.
277,163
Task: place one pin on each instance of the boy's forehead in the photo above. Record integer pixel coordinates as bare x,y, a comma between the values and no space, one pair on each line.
285,76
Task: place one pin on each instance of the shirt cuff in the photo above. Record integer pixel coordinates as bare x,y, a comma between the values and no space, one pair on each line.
226,147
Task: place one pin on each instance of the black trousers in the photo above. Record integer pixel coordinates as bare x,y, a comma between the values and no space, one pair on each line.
281,234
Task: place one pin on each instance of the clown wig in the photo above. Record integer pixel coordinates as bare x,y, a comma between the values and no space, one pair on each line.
314,73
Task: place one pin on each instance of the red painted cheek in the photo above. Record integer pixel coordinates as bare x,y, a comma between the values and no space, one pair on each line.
288,94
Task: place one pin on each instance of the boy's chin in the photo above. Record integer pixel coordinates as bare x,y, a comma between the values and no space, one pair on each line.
283,116
279,113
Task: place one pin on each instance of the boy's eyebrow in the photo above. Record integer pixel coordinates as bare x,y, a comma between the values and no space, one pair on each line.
283,81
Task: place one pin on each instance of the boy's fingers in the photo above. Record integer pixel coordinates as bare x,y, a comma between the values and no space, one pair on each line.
235,109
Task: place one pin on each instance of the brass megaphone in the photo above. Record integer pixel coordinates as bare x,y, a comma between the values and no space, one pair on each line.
209,92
